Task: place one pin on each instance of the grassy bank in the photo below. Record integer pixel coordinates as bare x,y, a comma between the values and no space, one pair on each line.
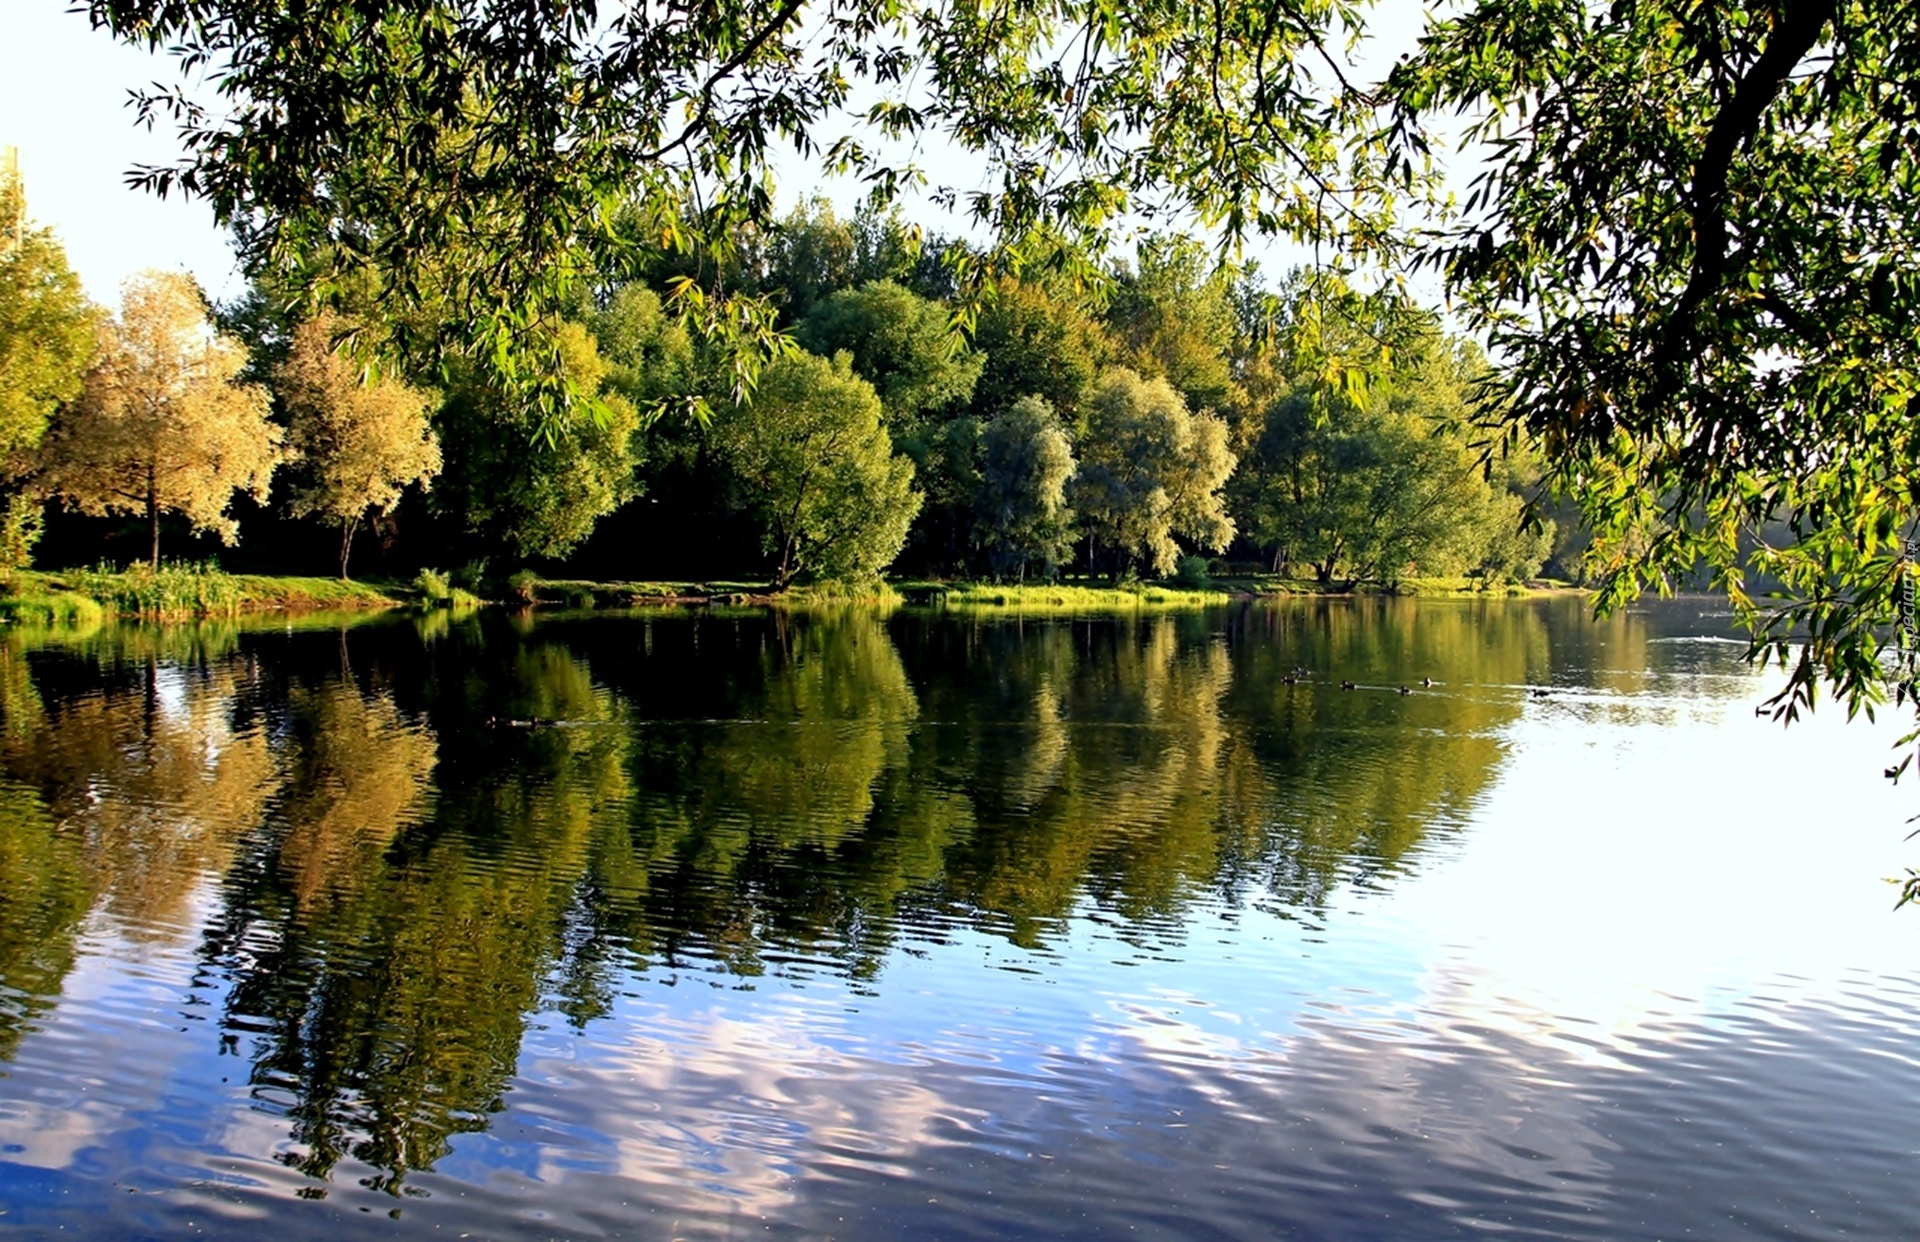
582,593
1464,588
78,597
1059,596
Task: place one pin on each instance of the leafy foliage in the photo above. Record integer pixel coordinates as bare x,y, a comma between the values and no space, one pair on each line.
164,424
1151,469
1026,462
47,339
814,461
1692,247
534,494
1370,482
47,329
362,439
900,343
489,158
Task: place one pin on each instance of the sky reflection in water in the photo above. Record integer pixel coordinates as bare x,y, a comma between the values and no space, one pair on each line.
848,925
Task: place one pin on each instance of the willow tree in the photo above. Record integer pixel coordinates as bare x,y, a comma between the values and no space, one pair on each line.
363,437
1694,245
1151,469
164,424
1026,462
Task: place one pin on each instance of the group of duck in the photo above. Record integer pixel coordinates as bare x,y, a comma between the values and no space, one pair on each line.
1300,674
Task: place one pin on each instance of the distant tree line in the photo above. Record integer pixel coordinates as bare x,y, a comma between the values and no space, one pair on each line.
1180,409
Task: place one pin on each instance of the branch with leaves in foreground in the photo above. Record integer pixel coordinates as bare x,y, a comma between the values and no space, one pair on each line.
484,160
1693,251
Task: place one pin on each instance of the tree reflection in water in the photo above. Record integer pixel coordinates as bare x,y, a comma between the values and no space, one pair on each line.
415,838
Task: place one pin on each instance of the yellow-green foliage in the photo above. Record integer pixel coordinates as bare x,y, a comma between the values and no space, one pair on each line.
174,591
50,610
165,423
1033,598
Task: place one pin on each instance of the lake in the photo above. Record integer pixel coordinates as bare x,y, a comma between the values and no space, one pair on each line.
862,925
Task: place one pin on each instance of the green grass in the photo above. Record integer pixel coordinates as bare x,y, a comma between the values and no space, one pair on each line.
177,591
585,593
51,610
1053,597
875,592
1455,587
269,591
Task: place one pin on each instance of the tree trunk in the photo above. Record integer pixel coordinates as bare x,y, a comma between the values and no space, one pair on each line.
153,519
346,545
784,574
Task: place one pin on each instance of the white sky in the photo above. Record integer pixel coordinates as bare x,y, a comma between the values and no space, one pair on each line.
63,103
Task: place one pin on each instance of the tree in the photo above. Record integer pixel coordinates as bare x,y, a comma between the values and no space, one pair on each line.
524,483
1174,315
47,337
1026,463
1037,344
361,438
1151,469
907,347
1368,481
812,457
902,344
163,424
496,155
1691,246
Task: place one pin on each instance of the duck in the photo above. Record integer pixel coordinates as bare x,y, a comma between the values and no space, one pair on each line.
1346,685
1538,693
1404,690
1426,681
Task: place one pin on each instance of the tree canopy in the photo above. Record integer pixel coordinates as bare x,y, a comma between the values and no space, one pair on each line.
489,157
1692,249
1151,469
47,339
812,457
362,438
165,423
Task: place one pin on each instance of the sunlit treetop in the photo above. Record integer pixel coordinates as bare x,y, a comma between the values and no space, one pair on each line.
490,155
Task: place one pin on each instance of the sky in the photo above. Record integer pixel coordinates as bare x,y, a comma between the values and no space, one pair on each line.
64,104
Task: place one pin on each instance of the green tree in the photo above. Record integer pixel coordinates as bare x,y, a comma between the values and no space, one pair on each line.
649,356
1174,315
498,172
1037,344
524,483
902,344
47,340
164,423
907,348
812,458
362,439
1026,463
1690,245
1151,469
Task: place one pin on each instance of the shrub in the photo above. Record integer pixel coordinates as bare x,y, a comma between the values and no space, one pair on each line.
523,585
433,587
1194,572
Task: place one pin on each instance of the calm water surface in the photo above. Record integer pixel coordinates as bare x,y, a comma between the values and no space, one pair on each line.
866,926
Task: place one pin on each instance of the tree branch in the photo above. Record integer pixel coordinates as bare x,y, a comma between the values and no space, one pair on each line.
1795,31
